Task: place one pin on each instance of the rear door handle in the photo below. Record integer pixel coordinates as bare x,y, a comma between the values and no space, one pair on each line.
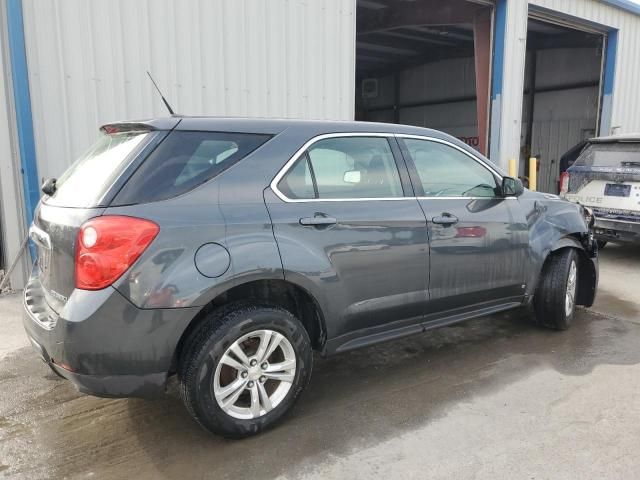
318,220
445,219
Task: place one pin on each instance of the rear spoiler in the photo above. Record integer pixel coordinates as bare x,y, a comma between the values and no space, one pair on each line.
112,128
164,123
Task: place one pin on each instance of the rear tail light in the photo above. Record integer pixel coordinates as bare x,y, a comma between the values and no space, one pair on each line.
107,246
564,183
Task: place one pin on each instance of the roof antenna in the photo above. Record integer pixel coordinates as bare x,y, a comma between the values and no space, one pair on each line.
162,96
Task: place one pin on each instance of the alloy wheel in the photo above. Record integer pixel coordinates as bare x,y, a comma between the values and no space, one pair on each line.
255,374
570,296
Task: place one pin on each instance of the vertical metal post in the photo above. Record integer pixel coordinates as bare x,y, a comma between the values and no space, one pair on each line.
532,99
22,100
497,75
606,109
396,97
533,173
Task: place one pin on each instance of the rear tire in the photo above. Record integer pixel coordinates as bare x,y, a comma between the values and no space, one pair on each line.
244,368
554,302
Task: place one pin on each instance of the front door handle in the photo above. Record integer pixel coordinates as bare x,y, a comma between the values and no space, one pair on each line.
318,220
445,219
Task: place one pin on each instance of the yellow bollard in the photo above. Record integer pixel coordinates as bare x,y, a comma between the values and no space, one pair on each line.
533,172
513,170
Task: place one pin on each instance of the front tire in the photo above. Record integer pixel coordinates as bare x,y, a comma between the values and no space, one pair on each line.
244,368
554,302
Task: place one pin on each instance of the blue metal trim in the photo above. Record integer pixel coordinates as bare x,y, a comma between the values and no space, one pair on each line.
22,99
498,49
497,75
608,82
627,5
610,62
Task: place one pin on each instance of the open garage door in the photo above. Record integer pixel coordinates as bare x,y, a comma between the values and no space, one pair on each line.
561,101
425,63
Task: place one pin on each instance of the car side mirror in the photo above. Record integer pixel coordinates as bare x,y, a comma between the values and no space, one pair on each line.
352,176
512,187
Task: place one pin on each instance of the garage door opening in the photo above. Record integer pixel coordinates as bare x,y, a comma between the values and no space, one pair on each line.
425,63
561,100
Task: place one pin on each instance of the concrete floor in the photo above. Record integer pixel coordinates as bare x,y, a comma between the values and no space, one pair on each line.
491,398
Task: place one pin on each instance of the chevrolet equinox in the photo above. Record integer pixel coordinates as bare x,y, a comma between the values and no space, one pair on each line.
226,250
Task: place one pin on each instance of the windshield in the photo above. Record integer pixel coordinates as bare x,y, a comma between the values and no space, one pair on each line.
86,181
610,155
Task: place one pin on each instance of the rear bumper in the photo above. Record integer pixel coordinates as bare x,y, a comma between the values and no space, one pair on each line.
617,230
149,385
102,343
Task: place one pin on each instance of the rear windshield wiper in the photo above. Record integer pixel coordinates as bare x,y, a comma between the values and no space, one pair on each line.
630,164
49,186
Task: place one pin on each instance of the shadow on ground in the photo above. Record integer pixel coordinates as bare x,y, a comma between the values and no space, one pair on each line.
354,400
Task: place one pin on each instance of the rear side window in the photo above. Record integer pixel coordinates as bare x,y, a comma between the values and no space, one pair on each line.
344,167
185,160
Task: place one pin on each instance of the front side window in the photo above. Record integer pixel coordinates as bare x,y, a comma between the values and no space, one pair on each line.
445,171
344,167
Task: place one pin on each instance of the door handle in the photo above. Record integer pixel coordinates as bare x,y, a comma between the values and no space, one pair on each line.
318,220
445,219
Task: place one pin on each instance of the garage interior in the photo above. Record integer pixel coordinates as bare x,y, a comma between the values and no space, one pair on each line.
425,63
428,63
561,100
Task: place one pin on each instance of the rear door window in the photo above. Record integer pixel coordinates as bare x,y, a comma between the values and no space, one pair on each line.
344,168
185,160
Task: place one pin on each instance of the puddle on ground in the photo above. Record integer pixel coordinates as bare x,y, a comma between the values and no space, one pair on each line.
48,430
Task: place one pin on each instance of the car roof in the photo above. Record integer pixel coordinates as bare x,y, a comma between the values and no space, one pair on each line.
625,137
269,125
273,126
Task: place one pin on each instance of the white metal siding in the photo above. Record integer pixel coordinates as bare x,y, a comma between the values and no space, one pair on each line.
87,61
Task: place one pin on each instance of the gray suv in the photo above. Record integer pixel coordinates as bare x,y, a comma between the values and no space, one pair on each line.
226,250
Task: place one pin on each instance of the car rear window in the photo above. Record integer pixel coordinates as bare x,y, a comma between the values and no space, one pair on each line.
610,155
185,160
86,181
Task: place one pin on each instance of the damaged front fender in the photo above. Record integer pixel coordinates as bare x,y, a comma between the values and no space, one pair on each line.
554,224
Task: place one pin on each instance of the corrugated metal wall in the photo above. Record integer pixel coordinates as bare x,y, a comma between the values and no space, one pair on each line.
563,116
432,82
626,95
277,58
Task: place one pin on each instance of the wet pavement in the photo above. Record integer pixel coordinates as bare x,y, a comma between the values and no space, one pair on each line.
490,398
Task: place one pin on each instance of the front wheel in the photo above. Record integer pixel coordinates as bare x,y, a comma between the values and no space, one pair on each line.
554,302
244,368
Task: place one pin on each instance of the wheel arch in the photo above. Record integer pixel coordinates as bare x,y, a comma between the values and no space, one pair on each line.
286,294
587,271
